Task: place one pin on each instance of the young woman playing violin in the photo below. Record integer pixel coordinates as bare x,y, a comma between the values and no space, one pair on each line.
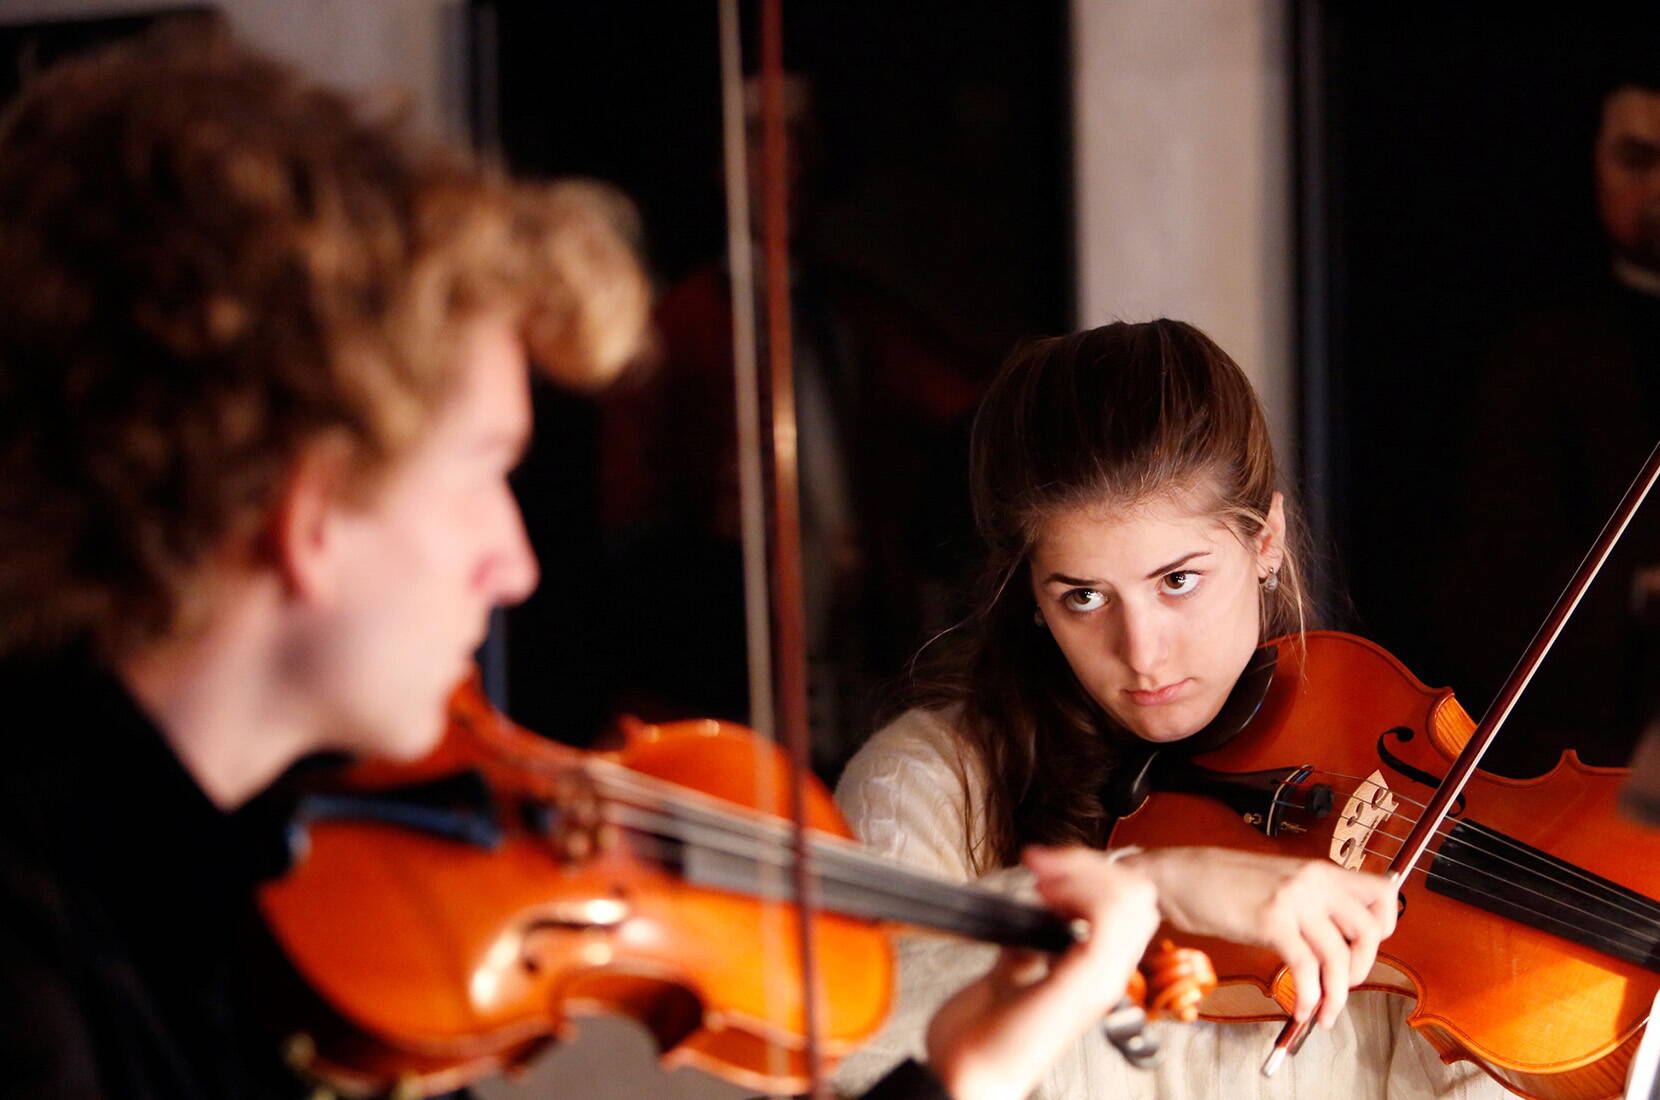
1139,551
263,359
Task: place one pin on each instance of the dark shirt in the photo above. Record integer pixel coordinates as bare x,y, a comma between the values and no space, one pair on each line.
126,905
908,1081
127,914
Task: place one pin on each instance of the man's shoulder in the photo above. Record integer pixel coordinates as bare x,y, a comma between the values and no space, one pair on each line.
45,713
35,873
53,794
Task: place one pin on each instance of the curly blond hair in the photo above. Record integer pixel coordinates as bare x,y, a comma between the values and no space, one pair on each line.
207,263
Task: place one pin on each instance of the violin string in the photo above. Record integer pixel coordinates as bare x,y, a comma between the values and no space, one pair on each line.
1401,797
766,841
1492,834
837,853
1593,914
922,899
843,861
1430,873
654,844
1480,830
938,915
834,851
1544,868
1545,863
1576,871
1397,795
1540,866
1634,941
926,903
665,828
739,842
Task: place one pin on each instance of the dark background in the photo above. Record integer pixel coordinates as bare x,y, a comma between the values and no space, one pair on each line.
1445,192
943,181
26,48
945,125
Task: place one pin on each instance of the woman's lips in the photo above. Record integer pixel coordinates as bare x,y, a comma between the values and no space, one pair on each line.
1165,694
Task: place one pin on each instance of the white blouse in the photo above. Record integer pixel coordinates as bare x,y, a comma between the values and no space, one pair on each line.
903,796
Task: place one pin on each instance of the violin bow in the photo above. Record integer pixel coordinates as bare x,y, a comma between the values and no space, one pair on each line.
1464,767
774,627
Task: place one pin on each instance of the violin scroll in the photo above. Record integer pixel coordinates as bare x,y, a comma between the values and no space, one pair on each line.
1168,985
1177,978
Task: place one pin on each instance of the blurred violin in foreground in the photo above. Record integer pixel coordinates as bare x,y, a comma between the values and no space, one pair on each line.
455,914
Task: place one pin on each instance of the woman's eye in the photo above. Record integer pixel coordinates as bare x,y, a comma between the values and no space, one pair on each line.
1181,582
1083,599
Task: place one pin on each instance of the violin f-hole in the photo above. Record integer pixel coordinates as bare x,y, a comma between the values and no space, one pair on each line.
1411,771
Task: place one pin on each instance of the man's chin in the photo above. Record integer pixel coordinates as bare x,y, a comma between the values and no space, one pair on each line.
413,739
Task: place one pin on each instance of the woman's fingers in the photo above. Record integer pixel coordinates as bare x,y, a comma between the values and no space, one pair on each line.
1016,967
1332,951
1080,882
1305,972
1382,900
1325,922
1319,959
1345,917
1362,929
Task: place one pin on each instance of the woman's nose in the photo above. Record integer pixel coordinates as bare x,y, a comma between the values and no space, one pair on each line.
1143,640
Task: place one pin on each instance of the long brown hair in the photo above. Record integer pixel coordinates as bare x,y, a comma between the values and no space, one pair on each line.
1109,417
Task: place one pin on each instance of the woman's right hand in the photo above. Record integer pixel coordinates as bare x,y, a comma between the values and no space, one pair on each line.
1325,922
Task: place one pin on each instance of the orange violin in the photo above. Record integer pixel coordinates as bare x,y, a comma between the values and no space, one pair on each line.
455,914
1528,931
1529,936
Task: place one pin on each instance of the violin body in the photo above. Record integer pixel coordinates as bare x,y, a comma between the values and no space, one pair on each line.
449,961
1548,1017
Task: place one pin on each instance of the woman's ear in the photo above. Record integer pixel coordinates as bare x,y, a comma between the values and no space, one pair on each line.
1271,540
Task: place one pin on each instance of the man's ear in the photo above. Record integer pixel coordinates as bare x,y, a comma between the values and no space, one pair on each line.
300,533
1271,540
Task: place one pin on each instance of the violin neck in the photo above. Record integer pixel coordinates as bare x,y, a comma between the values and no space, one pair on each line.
713,847
888,893
704,841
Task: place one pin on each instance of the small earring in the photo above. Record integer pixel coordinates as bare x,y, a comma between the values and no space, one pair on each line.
1271,582
1037,617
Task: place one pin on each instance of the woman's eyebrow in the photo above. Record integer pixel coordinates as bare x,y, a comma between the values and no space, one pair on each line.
1088,582
1075,582
1177,564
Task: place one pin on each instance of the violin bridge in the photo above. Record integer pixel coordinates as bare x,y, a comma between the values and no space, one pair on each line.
1365,812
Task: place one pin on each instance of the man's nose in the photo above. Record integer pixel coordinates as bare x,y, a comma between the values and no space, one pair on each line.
517,572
